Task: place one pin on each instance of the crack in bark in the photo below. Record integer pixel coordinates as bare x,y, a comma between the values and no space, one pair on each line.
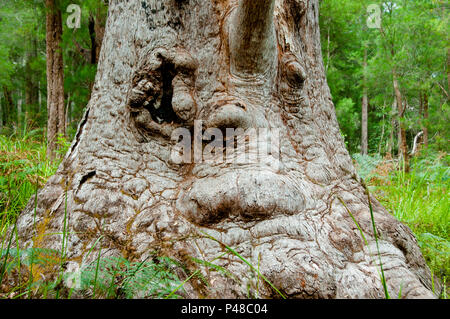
86,177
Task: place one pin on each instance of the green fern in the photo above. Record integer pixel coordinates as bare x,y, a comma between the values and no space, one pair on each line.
148,279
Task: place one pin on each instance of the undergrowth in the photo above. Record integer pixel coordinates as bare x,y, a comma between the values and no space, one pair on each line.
420,199
105,278
23,169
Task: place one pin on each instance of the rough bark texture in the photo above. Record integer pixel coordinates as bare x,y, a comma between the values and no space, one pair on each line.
164,64
55,77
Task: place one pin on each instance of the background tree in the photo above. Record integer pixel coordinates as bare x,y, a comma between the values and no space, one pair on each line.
23,66
20,64
55,76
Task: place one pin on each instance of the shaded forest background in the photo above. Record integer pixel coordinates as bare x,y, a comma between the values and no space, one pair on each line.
390,86
23,63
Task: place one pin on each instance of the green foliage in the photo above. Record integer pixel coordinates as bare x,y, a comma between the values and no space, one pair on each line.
117,277
63,145
23,169
420,199
349,121
413,41
366,165
23,63
79,72
113,277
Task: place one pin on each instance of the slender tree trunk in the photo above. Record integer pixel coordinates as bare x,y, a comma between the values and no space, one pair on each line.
425,120
96,34
8,106
31,85
328,50
448,69
420,103
55,81
94,55
382,129
19,109
169,68
393,128
2,114
39,98
402,143
364,111
67,120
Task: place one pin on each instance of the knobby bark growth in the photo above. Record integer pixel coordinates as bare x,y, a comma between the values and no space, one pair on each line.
165,65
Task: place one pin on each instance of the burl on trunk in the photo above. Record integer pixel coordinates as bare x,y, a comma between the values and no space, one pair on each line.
201,64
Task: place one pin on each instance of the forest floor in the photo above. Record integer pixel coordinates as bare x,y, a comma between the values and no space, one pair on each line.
419,198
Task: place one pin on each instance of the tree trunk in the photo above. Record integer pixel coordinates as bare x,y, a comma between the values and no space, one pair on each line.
39,98
328,50
390,147
364,112
402,143
31,84
8,107
425,120
166,65
19,110
2,123
55,78
380,144
67,115
448,69
96,33
94,50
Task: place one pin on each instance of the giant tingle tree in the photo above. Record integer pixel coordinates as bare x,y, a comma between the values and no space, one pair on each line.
301,218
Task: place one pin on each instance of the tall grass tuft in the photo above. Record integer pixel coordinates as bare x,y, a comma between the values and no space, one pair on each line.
23,169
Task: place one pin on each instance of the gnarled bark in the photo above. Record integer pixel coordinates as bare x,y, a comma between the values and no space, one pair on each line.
252,37
164,65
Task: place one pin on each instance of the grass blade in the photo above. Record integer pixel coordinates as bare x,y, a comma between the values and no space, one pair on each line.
3,270
383,278
245,261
